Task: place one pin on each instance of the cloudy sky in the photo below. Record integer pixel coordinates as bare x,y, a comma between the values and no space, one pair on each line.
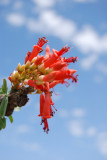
78,131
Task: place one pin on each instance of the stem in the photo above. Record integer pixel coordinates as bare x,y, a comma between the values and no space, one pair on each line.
17,98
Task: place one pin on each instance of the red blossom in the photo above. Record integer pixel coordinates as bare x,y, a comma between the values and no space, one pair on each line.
42,41
39,60
71,59
44,73
63,51
27,56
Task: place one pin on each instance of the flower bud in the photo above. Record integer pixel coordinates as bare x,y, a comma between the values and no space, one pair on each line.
41,68
19,67
32,67
16,75
27,64
39,82
23,74
13,78
34,72
38,91
34,59
40,78
26,81
22,68
48,70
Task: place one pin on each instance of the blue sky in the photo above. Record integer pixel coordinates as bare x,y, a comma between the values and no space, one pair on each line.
79,128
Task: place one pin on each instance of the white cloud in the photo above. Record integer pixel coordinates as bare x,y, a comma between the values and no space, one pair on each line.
44,3
102,143
89,61
88,40
102,67
84,1
23,129
4,2
51,23
75,128
91,131
16,19
57,25
77,112
18,5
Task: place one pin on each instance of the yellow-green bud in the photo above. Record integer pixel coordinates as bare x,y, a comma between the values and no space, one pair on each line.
41,68
22,68
27,64
38,91
48,70
16,74
18,67
34,72
26,82
34,59
32,67
13,78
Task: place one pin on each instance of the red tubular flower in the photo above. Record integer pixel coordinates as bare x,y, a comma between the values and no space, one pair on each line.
10,77
42,41
71,59
42,101
52,59
36,49
59,75
75,78
39,60
27,56
35,52
50,77
47,51
47,105
53,84
64,74
32,83
43,72
45,128
63,51
45,110
58,65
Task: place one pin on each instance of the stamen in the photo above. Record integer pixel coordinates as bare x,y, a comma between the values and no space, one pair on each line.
42,41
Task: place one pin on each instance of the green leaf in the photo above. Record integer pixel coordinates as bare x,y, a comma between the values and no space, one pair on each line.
11,118
1,92
17,108
4,86
3,106
2,123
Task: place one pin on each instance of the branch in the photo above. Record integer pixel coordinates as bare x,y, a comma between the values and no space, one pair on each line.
17,98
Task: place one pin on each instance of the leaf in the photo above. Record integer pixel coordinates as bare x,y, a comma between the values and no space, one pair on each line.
17,108
4,86
3,106
2,123
1,92
11,118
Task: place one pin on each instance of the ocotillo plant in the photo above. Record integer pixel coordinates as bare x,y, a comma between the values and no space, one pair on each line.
39,74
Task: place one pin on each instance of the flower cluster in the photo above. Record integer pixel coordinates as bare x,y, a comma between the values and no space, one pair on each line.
43,73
